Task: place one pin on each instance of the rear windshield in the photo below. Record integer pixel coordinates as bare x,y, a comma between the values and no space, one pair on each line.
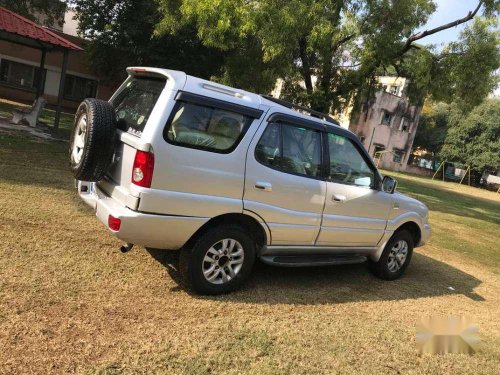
134,103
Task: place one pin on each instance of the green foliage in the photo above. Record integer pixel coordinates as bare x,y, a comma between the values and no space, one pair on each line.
475,139
462,73
121,35
47,12
432,127
341,43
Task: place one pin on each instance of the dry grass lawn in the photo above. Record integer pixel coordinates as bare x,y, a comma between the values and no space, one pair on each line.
70,302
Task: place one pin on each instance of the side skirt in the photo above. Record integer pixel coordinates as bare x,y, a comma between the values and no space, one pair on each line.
312,260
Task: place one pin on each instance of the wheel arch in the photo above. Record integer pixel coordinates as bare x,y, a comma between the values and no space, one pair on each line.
244,220
409,225
414,229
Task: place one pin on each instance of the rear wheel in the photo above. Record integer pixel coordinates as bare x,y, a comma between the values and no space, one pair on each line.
395,257
219,262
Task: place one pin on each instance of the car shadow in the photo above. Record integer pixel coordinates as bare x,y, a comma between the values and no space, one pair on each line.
425,277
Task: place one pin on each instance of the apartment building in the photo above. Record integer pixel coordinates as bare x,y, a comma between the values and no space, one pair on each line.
387,124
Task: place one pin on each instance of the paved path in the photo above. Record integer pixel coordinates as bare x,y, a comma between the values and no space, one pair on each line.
36,132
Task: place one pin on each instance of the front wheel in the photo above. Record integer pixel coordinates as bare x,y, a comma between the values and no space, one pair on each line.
395,258
219,262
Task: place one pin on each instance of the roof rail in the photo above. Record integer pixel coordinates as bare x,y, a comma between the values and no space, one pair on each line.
312,112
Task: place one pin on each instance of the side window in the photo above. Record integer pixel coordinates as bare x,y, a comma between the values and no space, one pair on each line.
206,128
347,165
290,149
268,150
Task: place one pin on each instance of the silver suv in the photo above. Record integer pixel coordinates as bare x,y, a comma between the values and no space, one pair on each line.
227,176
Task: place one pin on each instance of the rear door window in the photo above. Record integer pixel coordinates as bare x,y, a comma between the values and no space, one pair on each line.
134,104
206,128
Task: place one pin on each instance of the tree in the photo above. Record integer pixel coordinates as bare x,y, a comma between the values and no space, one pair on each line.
432,127
47,12
475,139
342,44
121,34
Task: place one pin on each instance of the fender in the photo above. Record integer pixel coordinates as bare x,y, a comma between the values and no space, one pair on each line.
392,225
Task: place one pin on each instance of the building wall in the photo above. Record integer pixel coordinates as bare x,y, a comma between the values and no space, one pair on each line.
375,135
77,66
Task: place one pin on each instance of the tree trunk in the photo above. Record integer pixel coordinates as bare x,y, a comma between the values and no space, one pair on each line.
306,67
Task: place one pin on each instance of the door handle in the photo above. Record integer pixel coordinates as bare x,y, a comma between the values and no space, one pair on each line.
266,186
338,198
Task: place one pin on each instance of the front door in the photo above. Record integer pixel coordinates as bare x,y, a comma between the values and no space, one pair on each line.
355,212
283,182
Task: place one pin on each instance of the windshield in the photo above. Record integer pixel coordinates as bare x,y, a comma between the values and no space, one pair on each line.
134,103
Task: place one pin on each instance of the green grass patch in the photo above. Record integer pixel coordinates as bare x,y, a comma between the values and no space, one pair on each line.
464,220
70,302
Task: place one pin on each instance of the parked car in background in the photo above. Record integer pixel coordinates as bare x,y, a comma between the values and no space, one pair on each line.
227,177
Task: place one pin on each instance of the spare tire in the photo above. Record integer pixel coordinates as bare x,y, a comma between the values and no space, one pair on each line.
92,140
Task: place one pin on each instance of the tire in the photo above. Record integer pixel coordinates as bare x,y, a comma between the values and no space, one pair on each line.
385,268
211,244
92,140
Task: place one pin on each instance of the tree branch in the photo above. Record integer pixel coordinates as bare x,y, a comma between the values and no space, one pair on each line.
341,41
423,34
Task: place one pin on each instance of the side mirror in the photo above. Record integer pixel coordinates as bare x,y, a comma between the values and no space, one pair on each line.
389,184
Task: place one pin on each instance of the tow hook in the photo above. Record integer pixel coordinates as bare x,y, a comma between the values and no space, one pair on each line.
126,247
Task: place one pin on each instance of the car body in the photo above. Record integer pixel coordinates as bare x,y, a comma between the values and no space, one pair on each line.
301,184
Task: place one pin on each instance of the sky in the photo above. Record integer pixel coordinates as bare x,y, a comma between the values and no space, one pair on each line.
448,10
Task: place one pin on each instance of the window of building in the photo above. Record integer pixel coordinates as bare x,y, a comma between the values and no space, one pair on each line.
18,74
79,88
207,128
378,150
397,155
386,118
347,165
290,149
405,125
394,90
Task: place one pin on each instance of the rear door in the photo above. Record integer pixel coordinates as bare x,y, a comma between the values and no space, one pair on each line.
355,212
283,181
200,157
135,105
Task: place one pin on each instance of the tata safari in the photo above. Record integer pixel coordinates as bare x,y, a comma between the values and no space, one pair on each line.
227,177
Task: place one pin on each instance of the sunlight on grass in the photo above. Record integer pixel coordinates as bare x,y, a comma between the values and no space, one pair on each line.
464,219
70,302
47,117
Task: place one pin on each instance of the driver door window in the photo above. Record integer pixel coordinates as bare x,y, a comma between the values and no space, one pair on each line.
347,166
290,149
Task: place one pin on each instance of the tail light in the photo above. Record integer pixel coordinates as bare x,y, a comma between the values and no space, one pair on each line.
142,171
114,223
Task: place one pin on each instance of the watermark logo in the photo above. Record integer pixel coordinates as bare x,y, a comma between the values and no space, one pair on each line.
447,334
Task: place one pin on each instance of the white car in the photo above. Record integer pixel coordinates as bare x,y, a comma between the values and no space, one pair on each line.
227,176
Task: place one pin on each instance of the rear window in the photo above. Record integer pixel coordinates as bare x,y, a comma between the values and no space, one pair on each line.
133,105
206,128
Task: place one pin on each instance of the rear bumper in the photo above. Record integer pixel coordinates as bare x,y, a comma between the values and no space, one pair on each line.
149,230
